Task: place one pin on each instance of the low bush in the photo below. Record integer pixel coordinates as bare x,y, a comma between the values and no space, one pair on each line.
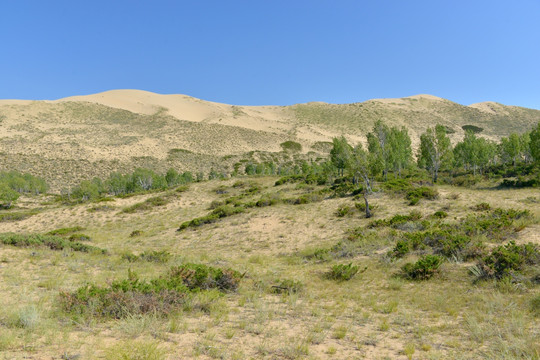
159,296
342,272
505,260
50,241
65,231
161,256
16,216
215,215
483,206
135,233
343,210
79,237
440,214
422,192
425,268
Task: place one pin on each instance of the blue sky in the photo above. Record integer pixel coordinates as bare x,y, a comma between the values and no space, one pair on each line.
257,52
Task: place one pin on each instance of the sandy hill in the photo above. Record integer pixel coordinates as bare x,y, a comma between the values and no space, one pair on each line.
82,136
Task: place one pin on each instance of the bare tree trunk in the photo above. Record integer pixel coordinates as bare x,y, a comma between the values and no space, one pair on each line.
368,213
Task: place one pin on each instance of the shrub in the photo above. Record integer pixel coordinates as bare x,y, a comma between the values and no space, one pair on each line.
423,269
291,146
343,210
65,231
159,296
161,256
422,192
215,215
440,214
52,242
401,249
475,129
535,305
16,216
79,237
483,206
146,205
507,259
342,272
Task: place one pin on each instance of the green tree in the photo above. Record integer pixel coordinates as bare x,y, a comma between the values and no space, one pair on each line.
363,165
379,144
511,148
473,152
400,149
7,196
435,151
534,143
340,154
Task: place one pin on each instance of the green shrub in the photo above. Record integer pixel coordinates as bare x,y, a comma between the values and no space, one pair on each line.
507,259
79,237
135,233
159,296
342,272
475,129
422,192
65,231
401,249
343,210
215,215
16,216
423,269
440,214
50,241
291,146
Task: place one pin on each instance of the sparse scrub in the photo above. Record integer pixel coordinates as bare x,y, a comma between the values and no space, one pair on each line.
146,205
422,192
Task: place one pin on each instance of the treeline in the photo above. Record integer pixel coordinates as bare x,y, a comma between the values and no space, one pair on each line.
13,183
122,184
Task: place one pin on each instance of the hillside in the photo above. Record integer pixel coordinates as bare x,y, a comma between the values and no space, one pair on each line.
79,137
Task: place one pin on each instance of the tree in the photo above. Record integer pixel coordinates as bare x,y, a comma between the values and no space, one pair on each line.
400,149
340,154
363,165
435,151
534,144
7,196
473,152
511,148
379,144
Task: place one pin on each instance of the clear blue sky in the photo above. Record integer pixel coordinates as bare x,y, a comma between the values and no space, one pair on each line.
256,52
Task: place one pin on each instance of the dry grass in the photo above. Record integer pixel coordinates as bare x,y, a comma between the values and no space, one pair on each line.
374,315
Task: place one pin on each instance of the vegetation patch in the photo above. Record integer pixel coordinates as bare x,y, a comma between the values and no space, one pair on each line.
425,268
292,146
422,192
146,205
343,272
50,241
17,215
157,256
473,128
507,260
159,296
216,214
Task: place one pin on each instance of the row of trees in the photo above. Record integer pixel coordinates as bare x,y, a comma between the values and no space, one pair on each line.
13,183
475,153
389,149
121,184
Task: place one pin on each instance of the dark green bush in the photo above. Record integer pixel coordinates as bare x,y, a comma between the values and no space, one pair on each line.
483,206
135,233
440,214
423,269
215,215
507,259
291,146
146,205
475,129
79,237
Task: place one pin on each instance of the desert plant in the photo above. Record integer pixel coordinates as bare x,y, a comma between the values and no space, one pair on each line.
343,272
